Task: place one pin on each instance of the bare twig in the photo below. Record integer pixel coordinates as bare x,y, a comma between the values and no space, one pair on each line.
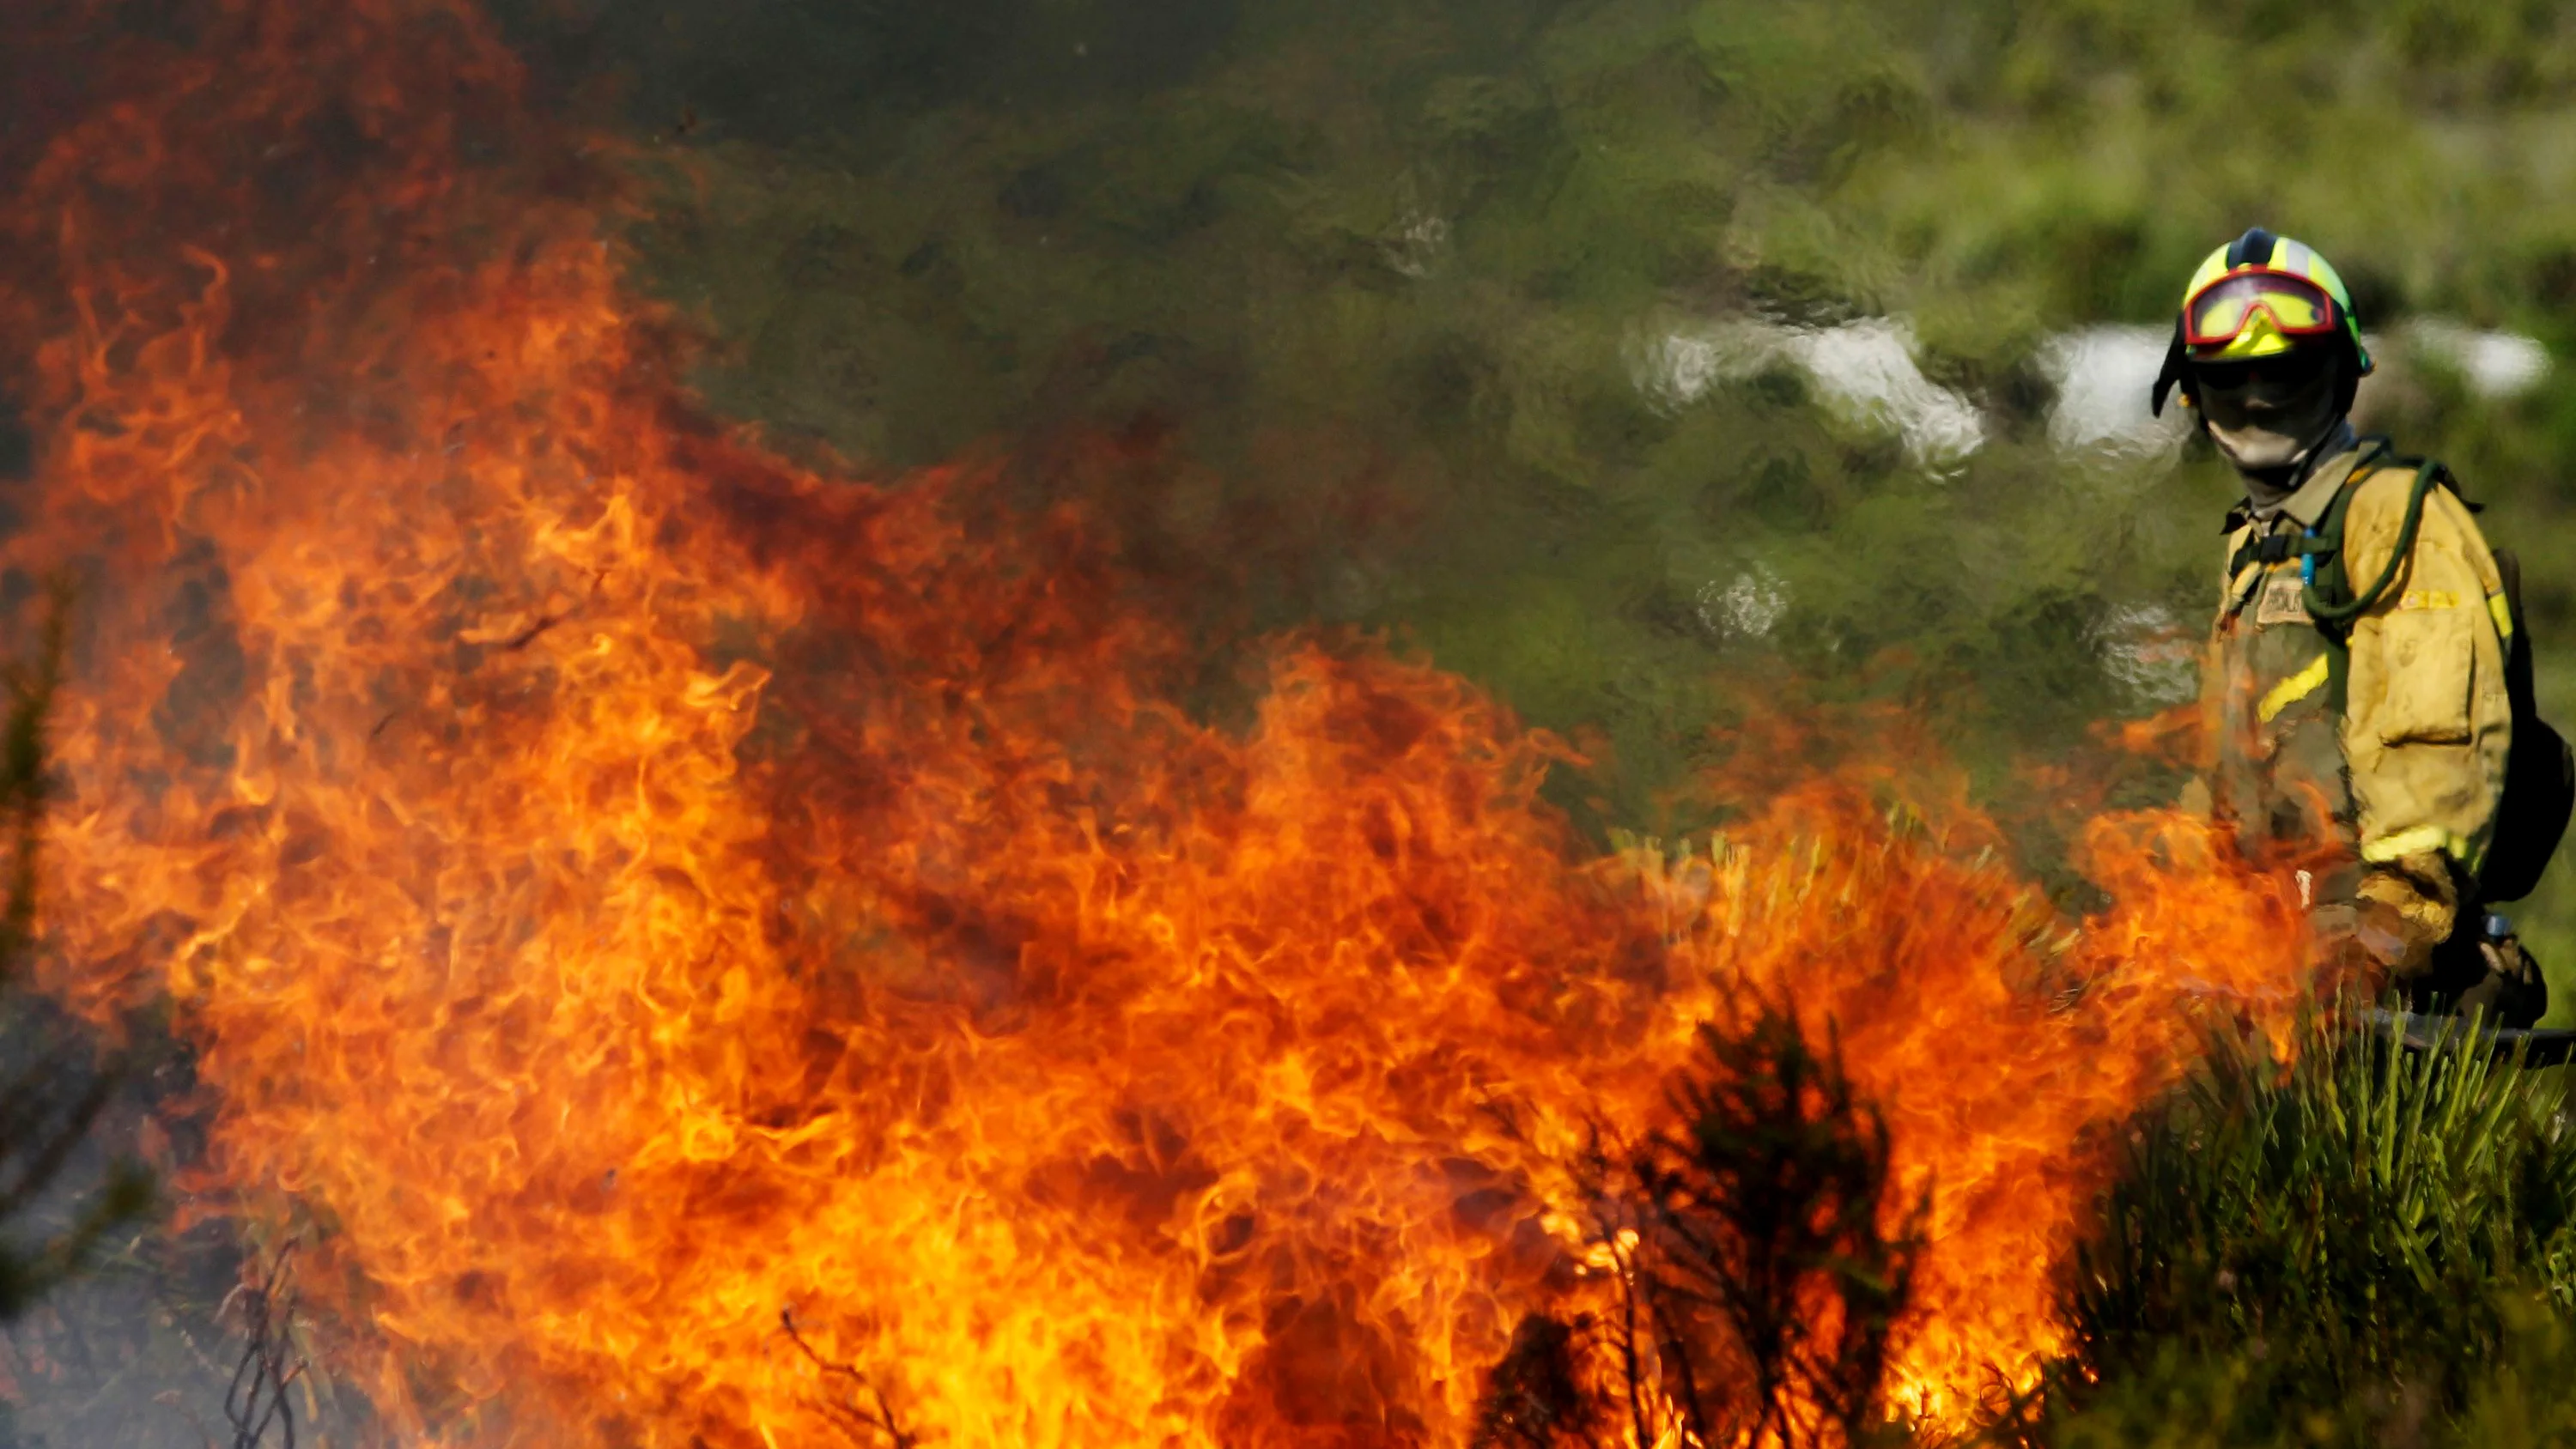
530,634
867,1417
256,1402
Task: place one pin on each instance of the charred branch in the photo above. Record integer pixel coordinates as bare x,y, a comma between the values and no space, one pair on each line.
47,1108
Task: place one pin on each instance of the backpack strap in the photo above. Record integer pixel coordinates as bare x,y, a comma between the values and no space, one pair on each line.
2326,585
2328,595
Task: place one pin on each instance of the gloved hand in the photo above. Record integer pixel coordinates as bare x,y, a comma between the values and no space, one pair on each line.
2403,911
2514,992
2337,953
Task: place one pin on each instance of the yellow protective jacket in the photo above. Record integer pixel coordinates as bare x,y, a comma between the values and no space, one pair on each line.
2382,769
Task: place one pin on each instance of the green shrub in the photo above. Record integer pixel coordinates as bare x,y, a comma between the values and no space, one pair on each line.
2330,1250
2524,1399
2529,1400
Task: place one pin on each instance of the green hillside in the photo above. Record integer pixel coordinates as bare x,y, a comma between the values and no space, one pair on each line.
1429,306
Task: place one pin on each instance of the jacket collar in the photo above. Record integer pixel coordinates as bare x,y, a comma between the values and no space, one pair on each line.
2309,504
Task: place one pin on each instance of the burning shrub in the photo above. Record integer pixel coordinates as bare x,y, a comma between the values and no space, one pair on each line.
1536,1398
626,886
1760,1258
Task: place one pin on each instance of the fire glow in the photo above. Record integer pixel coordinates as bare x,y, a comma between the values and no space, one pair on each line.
628,893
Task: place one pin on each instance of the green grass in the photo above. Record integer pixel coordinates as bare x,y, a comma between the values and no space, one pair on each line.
2364,1245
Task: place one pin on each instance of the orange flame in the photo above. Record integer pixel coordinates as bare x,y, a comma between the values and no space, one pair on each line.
629,895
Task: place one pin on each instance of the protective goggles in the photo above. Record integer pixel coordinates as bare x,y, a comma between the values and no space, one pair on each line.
2218,312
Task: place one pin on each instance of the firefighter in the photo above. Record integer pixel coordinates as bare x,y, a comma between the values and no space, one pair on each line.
2359,724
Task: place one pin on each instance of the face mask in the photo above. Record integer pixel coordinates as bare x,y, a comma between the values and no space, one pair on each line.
2266,414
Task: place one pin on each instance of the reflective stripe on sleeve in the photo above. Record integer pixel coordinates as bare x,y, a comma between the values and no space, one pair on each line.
2291,690
2418,841
2503,614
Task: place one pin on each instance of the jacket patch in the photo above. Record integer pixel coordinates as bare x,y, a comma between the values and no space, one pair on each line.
2429,599
2283,601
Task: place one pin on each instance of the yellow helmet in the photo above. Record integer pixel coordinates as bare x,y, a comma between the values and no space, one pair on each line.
2259,296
